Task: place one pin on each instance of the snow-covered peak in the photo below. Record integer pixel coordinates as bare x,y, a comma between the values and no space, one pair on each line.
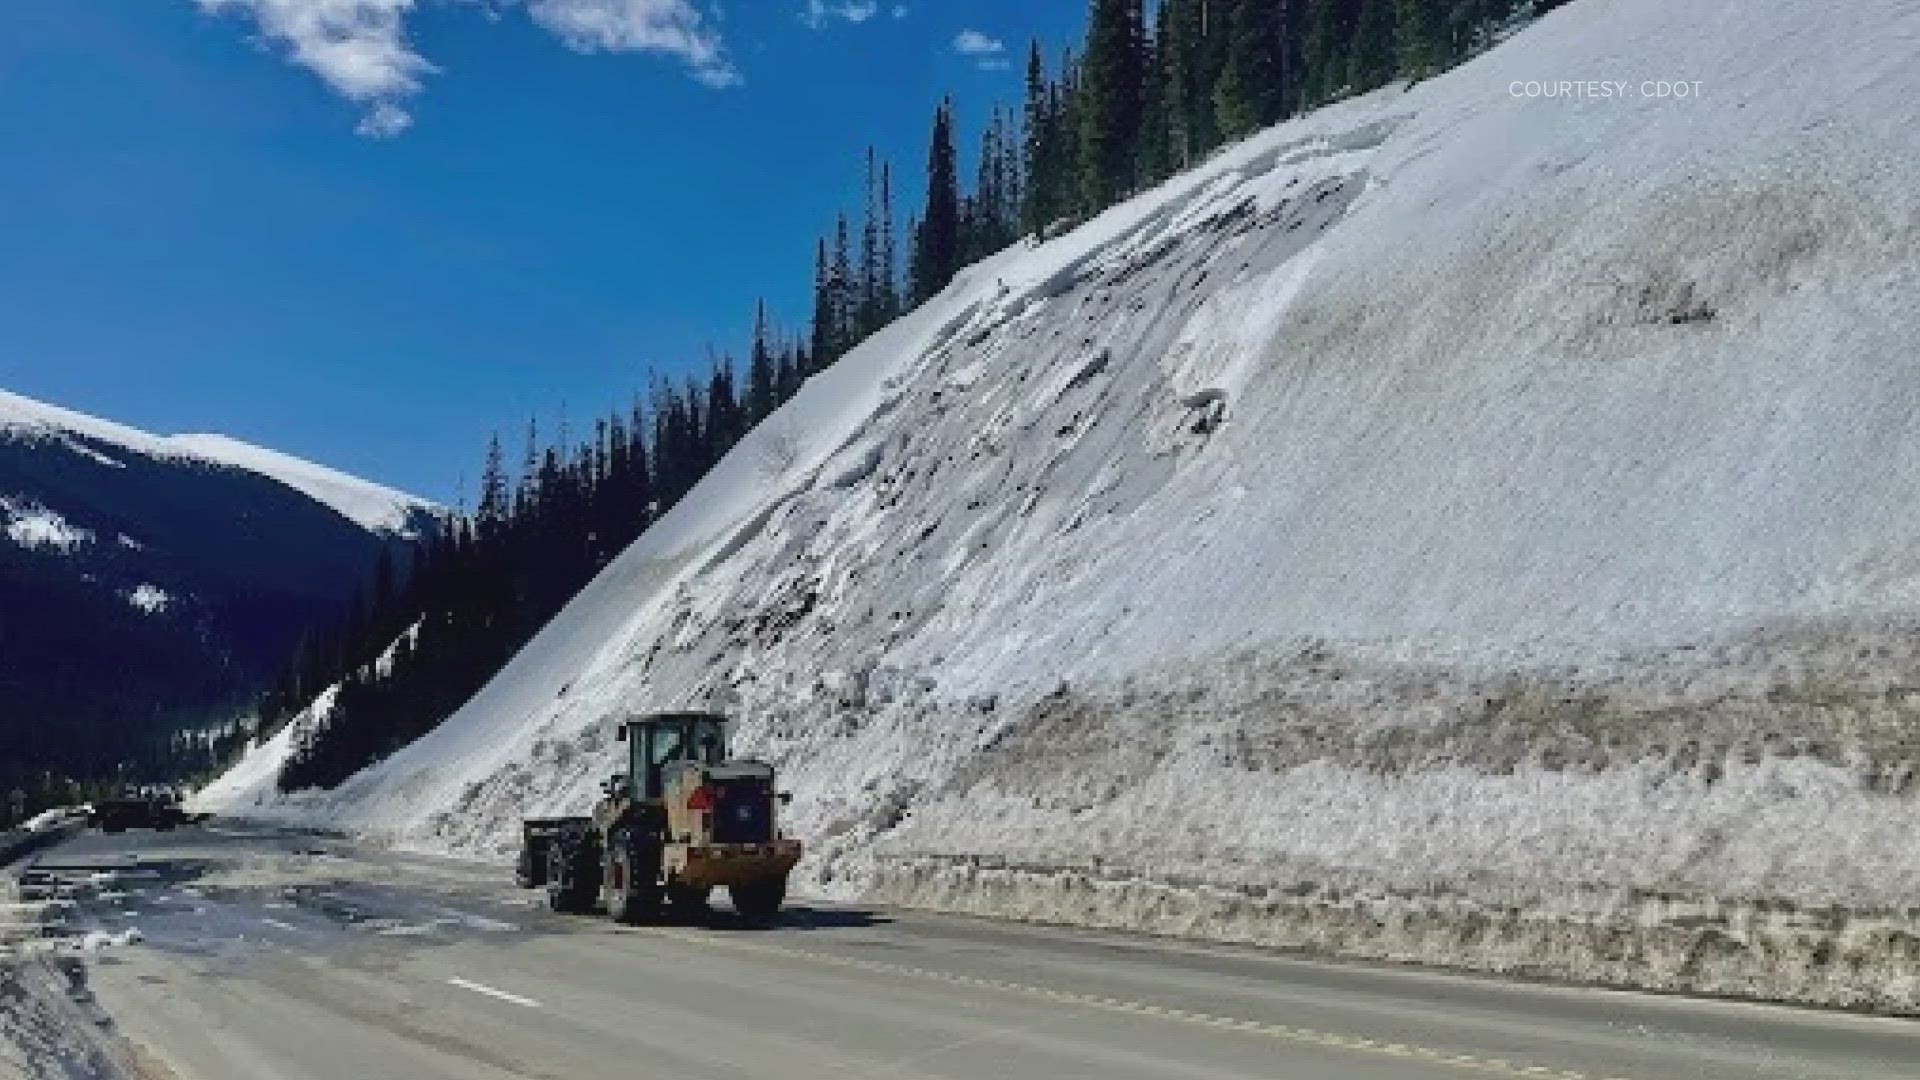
372,506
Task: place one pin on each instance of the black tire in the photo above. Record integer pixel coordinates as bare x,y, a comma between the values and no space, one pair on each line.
636,897
572,877
688,900
759,903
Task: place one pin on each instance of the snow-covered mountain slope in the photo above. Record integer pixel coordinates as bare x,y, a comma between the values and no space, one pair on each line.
373,507
1457,525
146,583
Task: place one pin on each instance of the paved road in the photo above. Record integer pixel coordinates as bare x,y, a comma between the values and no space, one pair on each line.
270,956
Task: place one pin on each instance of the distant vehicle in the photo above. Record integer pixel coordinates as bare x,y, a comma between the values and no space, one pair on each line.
682,820
135,812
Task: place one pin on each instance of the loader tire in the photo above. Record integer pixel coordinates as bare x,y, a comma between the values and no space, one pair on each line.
632,880
760,902
688,900
572,878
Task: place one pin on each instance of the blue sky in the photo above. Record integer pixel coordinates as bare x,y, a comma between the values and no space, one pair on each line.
369,232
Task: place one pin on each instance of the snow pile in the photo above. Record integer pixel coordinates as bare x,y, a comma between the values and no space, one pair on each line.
98,940
32,526
51,1028
369,505
1456,526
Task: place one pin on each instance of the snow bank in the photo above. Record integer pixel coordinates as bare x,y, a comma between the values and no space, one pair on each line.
1454,526
369,505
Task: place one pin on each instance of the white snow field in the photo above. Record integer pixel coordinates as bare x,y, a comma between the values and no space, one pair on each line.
371,506
1455,526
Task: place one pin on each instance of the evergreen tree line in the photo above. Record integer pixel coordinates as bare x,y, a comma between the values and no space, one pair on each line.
1143,99
425,640
165,758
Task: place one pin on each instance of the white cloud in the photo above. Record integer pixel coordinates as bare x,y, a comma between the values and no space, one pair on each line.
385,121
672,27
854,11
988,52
899,11
359,48
975,43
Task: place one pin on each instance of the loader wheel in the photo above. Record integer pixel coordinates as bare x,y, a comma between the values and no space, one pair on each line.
760,902
632,881
688,899
571,879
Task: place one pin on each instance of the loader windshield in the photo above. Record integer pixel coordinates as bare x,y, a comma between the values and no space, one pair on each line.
658,741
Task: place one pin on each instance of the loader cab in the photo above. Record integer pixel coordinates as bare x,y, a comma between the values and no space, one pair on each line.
653,742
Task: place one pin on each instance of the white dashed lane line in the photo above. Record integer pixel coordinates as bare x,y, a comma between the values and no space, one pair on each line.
1306,1036
502,995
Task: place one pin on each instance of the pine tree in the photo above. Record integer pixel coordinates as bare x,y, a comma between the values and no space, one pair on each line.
916,273
868,316
762,377
846,291
825,326
789,373
1329,35
1036,211
1251,92
725,423
1370,59
889,252
938,247
1013,179
529,462
1070,108
1154,152
495,509
1175,44
1114,83
1420,37
989,232
1212,22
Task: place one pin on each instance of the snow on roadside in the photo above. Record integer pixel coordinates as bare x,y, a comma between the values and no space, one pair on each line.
49,1027
1453,526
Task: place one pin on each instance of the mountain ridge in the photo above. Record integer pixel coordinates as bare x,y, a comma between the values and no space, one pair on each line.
372,506
190,578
